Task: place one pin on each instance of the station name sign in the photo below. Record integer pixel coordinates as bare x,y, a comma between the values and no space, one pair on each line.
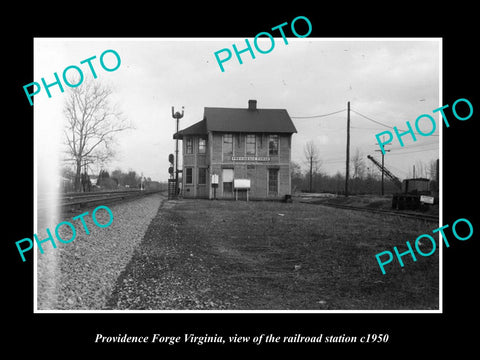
250,158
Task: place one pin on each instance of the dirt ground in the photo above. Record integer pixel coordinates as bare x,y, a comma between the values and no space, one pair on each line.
217,255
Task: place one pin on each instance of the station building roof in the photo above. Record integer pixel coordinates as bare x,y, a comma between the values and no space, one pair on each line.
245,120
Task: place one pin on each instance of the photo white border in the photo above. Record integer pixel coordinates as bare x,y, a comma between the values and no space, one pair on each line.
438,311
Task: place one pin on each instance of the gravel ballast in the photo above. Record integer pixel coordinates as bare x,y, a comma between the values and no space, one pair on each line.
171,269
80,275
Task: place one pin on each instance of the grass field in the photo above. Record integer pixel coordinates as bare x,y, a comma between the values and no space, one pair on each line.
201,254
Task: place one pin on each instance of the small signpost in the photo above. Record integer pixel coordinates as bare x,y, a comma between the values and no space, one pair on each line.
214,182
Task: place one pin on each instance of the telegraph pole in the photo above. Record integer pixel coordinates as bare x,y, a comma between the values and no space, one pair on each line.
348,149
177,116
383,163
311,172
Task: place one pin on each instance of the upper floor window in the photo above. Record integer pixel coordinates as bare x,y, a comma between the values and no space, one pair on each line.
189,145
202,146
228,144
273,145
251,145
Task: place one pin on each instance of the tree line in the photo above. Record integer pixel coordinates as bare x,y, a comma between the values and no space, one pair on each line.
105,181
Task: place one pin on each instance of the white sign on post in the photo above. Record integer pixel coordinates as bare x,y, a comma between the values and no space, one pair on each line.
241,183
426,199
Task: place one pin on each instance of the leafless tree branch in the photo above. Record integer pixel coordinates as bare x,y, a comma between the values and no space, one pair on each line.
91,124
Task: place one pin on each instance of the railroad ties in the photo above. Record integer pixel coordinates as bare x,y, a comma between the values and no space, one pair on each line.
72,202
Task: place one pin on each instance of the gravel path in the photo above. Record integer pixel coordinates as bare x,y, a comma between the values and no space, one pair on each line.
82,274
170,270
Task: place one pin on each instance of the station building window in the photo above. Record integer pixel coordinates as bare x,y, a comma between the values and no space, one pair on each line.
189,175
189,145
227,144
202,145
273,145
251,144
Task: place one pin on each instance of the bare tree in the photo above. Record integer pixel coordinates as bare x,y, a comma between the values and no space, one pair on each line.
92,122
359,167
296,176
420,169
432,170
312,156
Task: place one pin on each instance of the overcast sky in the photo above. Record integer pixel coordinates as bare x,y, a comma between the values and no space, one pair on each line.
388,80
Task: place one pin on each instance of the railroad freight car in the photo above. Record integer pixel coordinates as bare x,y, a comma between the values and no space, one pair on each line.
416,195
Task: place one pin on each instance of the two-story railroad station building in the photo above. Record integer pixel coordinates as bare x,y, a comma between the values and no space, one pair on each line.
235,153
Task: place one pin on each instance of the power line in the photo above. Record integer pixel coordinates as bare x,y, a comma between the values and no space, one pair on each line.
317,116
362,128
375,121
410,152
333,161
416,145
356,112
380,123
398,169
408,147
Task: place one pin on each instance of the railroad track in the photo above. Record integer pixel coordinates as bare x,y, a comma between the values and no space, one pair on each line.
425,217
76,201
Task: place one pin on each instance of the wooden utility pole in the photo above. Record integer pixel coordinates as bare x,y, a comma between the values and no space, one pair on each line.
383,165
311,172
348,149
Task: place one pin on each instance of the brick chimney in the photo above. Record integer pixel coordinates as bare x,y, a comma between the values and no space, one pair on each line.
252,104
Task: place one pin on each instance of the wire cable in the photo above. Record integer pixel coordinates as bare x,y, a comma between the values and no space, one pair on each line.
375,121
317,116
380,123
410,152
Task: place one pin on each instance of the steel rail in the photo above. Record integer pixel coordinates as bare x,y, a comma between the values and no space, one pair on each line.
425,217
75,201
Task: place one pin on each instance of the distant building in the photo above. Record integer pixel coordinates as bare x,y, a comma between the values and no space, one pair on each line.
238,146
